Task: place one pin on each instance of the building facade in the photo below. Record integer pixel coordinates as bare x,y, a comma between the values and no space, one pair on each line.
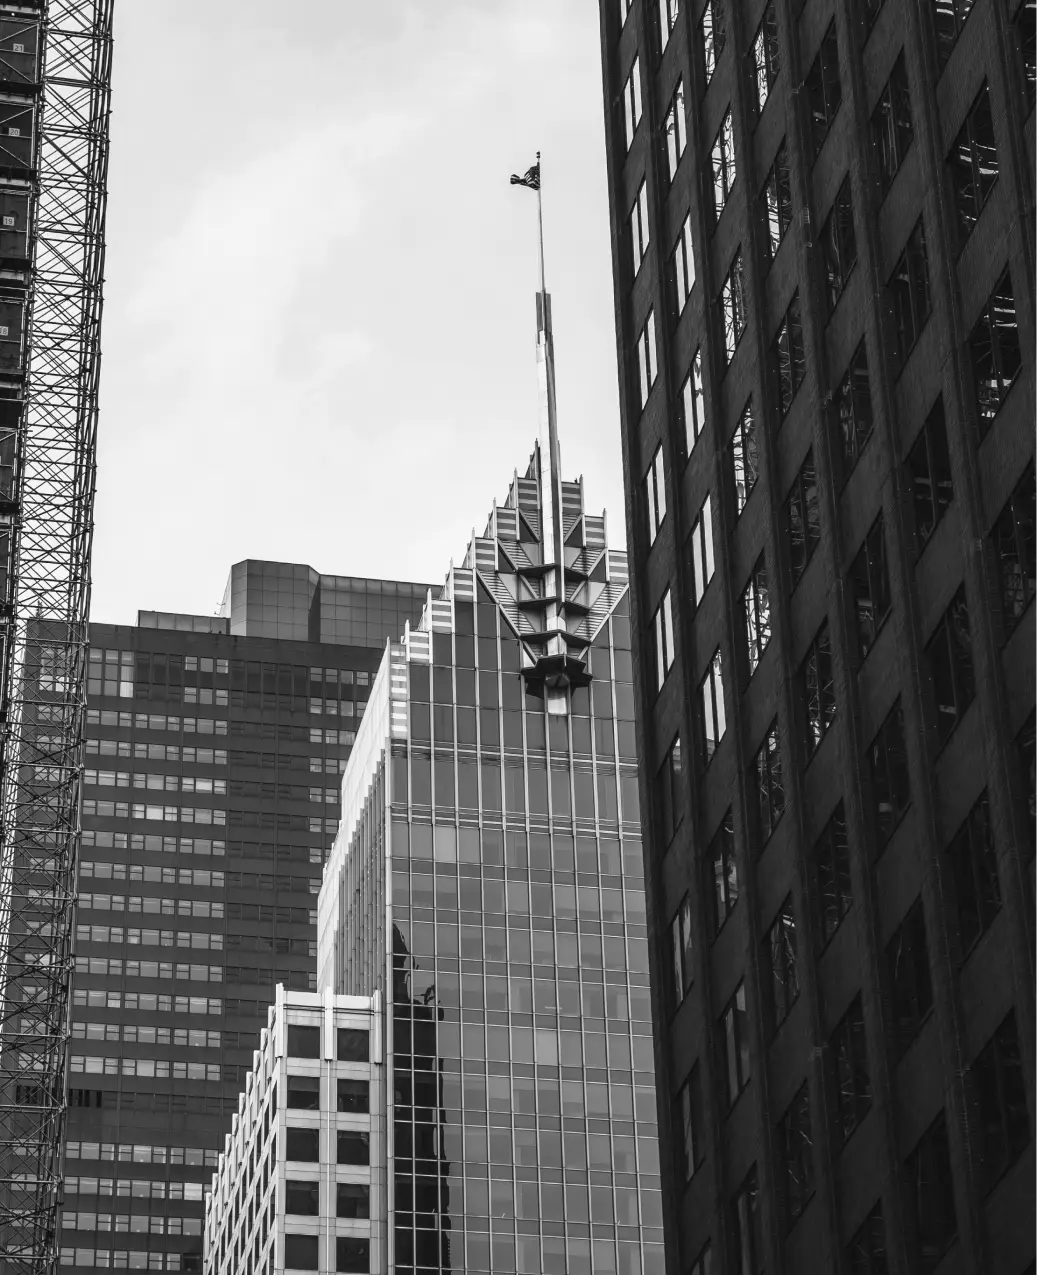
214,753
822,229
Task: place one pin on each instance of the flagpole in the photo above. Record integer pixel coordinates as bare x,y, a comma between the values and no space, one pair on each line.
540,219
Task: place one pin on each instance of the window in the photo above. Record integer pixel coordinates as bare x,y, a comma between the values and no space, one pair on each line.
869,579
777,200
732,305
796,1151
676,130
302,1145
747,1247
930,468
832,876
780,956
713,35
972,164
853,411
670,796
866,1251
839,245
850,1062
756,605
647,360
680,951
1015,544
354,1096
662,634
891,131
907,961
724,886
949,18
787,355
655,494
711,695
689,1140
764,54
994,347
949,657
824,91
353,1147
693,403
770,794
303,1042
668,13
930,1197
723,163
632,102
352,1256
1026,751
354,1045
734,1038
352,1199
640,232
701,555
973,862
682,267
997,1075
303,1093
908,289
703,1264
889,777
818,689
745,457
1025,31
302,1198
802,518
300,1252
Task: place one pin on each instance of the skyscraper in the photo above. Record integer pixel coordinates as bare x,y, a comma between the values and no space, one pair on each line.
213,763
822,219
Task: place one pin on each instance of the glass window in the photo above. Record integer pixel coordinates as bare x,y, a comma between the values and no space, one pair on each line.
732,306
949,18
723,164
797,1156
832,875
1015,545
682,267
929,1189
303,1042
994,347
908,292
850,1062
353,1146
711,695
747,1247
764,54
302,1198
818,688
889,777
354,1045
972,164
300,1252
756,607
735,1043
302,1145
352,1255
304,1093
929,465
744,456
1024,26
891,130
767,780
676,130
780,955
802,518
973,862
354,1095
352,1199
712,33
647,360
701,551
869,580
669,793
655,494
693,404
632,102
662,634
949,657
1004,1126
681,951
639,227
777,200
690,1135
907,965
839,245
866,1251
823,88
724,868
668,13
788,356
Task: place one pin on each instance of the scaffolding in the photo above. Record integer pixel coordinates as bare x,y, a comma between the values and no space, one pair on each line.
55,75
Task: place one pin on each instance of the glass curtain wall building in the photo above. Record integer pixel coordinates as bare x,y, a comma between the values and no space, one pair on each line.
822,230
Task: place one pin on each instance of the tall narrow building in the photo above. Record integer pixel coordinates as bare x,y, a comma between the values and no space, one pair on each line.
822,226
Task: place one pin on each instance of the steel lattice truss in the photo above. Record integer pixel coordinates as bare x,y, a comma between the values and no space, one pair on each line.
55,63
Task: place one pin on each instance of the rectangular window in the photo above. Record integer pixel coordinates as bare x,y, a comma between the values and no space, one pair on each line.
948,655
713,37
701,551
818,688
929,465
766,778
1024,29
891,130
756,606
682,267
668,13
735,1043
908,292
724,886
640,232
802,518
693,404
632,102
973,862
681,952
747,1244
797,1156
780,956
689,1141
866,1251
662,635
853,410
669,793
745,457
839,245
949,18
832,876
823,88
777,200
711,695
869,579
788,356
655,494
676,130
732,305
929,1188
764,54
1015,547
723,164
907,964
850,1063
997,1076
972,164
647,359
889,778
994,347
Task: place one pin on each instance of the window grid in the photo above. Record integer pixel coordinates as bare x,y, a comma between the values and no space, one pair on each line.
766,62
744,456
756,607
676,130
722,159
777,200
711,695
693,404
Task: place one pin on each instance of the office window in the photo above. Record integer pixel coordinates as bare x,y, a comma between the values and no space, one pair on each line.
747,1245
972,164
711,696
303,1041
929,465
713,37
690,1133
640,232
668,12
802,518
866,1251
647,359
869,579
1024,28
352,1199
889,777
303,1093
818,688
682,266
891,130
853,410
681,951
352,1255
839,245
693,404
300,1252
743,452
302,1198
756,606
948,655
780,958
732,305
353,1095
796,1152
1004,1125
764,54
632,102
929,1189
670,796
823,89
850,1062
734,1037
777,200
1015,548
354,1045
662,639
655,494
908,292
949,18
832,876
676,130
973,862
353,1147
766,778
788,356
302,1145
994,346
701,551
907,964
724,885
722,159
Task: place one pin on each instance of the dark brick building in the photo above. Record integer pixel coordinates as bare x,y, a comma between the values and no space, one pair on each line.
822,229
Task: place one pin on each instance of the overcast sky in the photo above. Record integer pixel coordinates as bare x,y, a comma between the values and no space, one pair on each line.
319,329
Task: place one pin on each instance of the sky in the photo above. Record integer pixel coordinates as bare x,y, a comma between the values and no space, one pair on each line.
319,326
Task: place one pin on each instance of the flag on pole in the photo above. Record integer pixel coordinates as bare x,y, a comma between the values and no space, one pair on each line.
530,178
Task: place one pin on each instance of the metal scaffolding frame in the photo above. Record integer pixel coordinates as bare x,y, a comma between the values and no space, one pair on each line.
55,77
